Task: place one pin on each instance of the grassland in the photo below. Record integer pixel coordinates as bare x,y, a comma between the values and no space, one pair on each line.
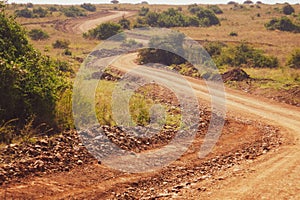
247,21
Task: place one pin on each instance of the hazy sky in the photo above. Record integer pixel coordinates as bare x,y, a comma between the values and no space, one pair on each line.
150,1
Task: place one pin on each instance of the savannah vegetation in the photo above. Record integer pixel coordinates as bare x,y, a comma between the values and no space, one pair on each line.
38,60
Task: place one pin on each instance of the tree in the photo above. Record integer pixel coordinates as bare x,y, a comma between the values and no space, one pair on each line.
288,9
115,1
282,24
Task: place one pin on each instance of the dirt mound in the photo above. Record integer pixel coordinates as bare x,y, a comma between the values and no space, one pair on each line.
235,75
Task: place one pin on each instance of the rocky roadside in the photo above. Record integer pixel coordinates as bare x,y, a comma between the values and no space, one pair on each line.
174,178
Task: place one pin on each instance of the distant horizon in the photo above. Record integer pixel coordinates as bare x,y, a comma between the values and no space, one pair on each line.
173,2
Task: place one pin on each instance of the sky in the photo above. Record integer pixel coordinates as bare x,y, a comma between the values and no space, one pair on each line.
179,2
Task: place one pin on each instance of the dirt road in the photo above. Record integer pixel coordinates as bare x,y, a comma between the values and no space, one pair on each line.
277,176
81,25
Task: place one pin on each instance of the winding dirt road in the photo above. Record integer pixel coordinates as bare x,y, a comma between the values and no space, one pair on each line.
275,175
83,24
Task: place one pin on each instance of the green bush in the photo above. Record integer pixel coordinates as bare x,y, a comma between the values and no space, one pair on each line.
294,59
38,34
288,9
73,12
61,44
282,24
144,11
216,9
164,50
89,7
30,83
40,12
214,48
246,56
104,31
26,13
52,9
125,23
207,18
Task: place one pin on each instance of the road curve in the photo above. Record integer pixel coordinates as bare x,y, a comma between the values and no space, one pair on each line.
278,175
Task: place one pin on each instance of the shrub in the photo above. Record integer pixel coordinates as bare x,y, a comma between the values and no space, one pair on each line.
52,9
61,44
170,43
26,13
244,55
73,12
194,8
40,12
233,34
104,31
216,9
38,34
282,24
125,23
294,59
207,18
30,83
89,7
214,48
288,9
144,11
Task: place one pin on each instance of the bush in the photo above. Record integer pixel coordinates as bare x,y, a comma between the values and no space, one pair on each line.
294,59
194,8
125,23
30,83
52,9
244,55
61,44
89,7
104,31
282,24
38,34
288,9
214,48
164,55
73,12
144,11
40,12
207,18
233,34
26,13
216,9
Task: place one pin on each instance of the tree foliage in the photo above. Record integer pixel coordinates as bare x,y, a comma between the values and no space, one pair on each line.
288,9
104,31
30,83
246,56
